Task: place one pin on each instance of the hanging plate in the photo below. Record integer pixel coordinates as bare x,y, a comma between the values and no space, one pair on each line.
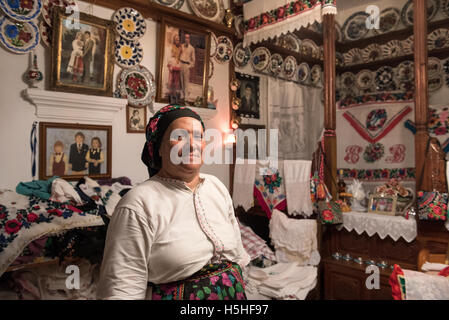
18,37
407,45
388,20
48,5
303,73
260,58
354,27
309,48
433,66
340,61
365,80
438,39
405,71
241,55
435,83
275,65
407,11
21,10
316,75
128,53
348,81
208,9
289,67
392,48
384,79
353,56
45,32
138,85
224,49
130,24
289,41
175,4
373,52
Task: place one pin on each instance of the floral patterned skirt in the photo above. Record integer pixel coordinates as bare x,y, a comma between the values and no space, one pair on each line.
219,281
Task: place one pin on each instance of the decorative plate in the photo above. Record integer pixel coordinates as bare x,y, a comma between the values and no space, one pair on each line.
373,52
289,41
130,24
407,11
224,49
435,83
433,66
260,58
48,5
392,48
354,27
385,79
388,20
309,48
348,81
138,85
239,26
445,7
213,45
175,4
365,80
275,66
21,10
438,39
19,37
289,67
316,75
405,71
128,53
303,73
407,86
408,45
242,55
211,9
45,32
340,60
211,68
353,56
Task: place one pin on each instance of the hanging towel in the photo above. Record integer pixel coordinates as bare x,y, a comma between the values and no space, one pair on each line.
297,187
38,188
293,239
244,175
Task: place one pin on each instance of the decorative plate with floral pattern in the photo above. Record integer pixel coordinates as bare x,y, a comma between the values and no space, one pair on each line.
242,55
45,32
433,66
130,24
21,10
18,37
407,11
353,56
340,60
316,75
224,49
365,80
128,54
275,66
438,39
175,4
289,41
388,20
385,79
392,48
208,9
373,52
405,71
303,73
354,27
435,82
48,5
289,67
260,58
348,81
408,45
309,48
137,85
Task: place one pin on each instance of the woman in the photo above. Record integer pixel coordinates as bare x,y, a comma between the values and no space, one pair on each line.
175,233
76,65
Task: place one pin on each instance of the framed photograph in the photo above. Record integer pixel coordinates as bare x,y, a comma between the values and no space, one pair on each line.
183,64
72,151
382,204
136,119
82,54
250,149
249,91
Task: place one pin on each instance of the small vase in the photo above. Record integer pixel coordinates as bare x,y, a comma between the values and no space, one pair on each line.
34,74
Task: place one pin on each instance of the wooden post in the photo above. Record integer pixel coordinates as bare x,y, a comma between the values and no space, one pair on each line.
330,140
421,91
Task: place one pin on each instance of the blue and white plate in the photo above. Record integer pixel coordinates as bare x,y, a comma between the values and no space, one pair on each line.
303,73
175,4
241,55
130,24
260,58
128,54
354,27
18,37
21,10
225,49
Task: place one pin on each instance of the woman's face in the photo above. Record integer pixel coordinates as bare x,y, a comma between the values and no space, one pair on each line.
95,144
182,147
176,39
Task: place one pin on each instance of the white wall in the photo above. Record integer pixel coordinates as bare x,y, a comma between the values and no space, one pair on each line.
17,115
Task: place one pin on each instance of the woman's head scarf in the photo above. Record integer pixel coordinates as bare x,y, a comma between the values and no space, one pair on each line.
156,127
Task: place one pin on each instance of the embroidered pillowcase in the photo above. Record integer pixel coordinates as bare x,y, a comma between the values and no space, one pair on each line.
432,205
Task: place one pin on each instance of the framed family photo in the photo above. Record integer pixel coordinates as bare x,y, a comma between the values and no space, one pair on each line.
82,54
382,204
183,64
249,94
72,151
136,118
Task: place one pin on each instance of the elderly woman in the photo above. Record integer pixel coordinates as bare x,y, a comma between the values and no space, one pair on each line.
175,235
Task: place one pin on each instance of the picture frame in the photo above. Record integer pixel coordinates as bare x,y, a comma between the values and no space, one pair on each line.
250,110
246,153
183,71
82,54
136,119
60,156
382,204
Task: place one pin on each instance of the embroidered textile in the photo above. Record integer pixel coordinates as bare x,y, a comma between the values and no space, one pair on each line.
242,192
297,186
378,174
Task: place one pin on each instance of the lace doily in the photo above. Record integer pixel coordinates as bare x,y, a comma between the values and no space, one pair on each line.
383,225
421,286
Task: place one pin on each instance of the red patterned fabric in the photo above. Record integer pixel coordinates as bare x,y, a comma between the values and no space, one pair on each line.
444,272
397,283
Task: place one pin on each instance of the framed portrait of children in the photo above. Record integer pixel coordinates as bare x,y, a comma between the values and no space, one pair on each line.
82,54
382,204
136,119
183,64
72,151
250,110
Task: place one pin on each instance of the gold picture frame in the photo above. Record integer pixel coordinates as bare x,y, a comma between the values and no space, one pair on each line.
382,204
178,81
82,54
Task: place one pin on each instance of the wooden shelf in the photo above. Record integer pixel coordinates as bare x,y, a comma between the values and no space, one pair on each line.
386,37
285,52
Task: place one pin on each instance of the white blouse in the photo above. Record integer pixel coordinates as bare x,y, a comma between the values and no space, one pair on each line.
162,231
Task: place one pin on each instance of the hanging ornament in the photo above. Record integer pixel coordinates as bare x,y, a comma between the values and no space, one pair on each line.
34,75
